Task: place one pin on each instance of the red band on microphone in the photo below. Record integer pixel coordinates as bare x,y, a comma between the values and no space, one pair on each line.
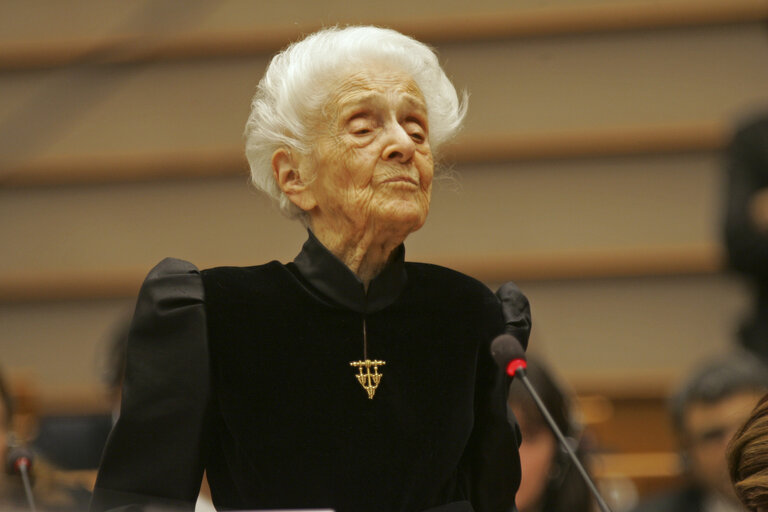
515,365
21,462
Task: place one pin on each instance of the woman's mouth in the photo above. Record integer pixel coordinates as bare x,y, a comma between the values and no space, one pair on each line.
407,180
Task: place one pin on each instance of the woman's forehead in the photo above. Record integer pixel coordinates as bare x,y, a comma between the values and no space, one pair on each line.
371,83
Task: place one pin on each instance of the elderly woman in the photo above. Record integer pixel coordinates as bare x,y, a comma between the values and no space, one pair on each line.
346,379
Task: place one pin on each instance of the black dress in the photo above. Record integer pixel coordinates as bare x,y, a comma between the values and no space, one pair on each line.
245,372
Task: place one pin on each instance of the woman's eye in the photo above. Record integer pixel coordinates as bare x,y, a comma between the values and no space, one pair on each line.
417,136
360,126
415,130
416,133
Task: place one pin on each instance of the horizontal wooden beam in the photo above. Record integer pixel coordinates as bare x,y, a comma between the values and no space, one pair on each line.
125,167
588,263
639,384
591,142
468,148
638,465
33,400
435,28
50,285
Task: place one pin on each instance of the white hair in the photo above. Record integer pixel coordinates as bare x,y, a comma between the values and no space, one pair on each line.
299,80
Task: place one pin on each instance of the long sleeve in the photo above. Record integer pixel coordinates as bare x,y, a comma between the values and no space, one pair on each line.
494,461
491,463
156,452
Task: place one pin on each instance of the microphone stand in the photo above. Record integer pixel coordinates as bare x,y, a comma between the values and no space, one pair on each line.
19,460
23,465
520,372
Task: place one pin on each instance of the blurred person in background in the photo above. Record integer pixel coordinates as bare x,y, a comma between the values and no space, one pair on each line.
6,408
748,459
746,224
550,482
113,365
53,490
710,406
12,496
10,487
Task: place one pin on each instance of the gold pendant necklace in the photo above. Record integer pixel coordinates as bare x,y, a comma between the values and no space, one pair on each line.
367,378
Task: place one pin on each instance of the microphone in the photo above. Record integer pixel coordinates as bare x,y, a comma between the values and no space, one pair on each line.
17,458
508,353
18,461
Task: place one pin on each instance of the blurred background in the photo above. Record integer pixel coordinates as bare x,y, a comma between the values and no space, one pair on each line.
590,171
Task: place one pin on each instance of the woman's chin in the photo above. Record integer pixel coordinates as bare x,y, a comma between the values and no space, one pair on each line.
403,214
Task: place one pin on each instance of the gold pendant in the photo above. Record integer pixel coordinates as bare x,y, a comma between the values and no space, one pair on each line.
369,381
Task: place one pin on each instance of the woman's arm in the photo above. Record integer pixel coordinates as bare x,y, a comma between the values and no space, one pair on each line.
156,452
491,462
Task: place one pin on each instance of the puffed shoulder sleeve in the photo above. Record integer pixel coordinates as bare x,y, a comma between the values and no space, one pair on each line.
156,452
516,311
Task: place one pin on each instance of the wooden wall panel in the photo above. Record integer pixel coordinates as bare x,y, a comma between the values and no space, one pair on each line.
642,329
525,208
32,36
551,206
553,84
572,82
59,347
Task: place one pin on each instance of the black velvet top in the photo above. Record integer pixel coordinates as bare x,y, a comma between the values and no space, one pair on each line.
245,372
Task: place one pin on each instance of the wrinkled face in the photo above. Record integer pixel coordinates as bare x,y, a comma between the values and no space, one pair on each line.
372,162
537,452
708,428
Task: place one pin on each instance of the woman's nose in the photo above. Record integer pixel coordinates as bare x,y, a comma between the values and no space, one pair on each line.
399,146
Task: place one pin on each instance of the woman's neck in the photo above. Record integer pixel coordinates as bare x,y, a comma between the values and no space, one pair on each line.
364,253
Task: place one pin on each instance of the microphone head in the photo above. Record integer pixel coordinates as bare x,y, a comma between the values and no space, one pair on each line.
506,348
15,457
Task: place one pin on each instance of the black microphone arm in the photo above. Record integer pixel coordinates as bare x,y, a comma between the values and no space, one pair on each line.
509,354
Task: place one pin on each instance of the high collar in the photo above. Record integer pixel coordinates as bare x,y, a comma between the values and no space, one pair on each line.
326,273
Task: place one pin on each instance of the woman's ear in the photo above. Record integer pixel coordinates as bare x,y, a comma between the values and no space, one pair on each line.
286,166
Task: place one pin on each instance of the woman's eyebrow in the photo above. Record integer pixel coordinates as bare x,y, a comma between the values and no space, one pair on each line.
358,101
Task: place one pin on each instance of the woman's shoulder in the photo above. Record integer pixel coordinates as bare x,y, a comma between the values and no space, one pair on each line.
233,278
176,282
443,276
448,289
171,281
240,271
183,272
171,265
